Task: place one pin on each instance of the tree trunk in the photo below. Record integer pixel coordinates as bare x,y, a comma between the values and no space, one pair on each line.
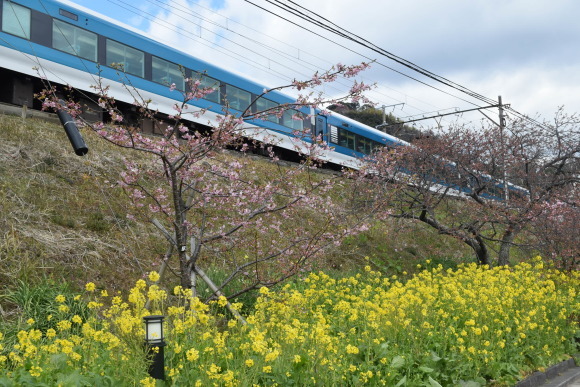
503,257
473,239
481,252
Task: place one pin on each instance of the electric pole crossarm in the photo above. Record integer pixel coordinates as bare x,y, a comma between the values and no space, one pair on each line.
442,115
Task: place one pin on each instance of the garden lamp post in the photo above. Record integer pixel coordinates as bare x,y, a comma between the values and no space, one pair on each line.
155,341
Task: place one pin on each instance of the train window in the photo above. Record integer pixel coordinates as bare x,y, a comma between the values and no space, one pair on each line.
15,19
363,145
293,119
208,82
128,59
263,104
167,73
346,138
237,98
74,40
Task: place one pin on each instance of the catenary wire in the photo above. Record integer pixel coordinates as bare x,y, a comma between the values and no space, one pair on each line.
365,43
348,35
390,55
362,55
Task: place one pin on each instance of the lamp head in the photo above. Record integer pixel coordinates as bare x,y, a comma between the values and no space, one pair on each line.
154,329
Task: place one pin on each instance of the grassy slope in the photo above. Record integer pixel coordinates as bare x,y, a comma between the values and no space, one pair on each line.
63,218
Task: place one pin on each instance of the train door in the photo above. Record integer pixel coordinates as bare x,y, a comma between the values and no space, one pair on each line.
321,128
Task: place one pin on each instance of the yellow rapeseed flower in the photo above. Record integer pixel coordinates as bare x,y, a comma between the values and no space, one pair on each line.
148,382
222,301
63,308
192,354
154,276
63,325
271,356
264,290
35,371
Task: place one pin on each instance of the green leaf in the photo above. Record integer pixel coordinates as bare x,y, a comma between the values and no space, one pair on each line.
58,360
469,383
425,369
401,382
433,382
5,382
383,349
72,379
397,362
435,357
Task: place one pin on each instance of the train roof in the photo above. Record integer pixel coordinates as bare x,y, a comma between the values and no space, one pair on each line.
350,123
212,70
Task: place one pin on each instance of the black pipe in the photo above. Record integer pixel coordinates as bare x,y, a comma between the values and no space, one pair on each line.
72,132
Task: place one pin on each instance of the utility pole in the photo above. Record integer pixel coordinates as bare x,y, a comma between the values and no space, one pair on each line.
501,136
385,114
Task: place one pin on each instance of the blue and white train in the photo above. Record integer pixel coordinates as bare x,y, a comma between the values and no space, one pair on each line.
64,43
70,45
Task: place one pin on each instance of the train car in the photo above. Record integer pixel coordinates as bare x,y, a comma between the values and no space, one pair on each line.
60,42
67,44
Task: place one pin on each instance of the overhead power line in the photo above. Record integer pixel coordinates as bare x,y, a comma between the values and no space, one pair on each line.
358,53
315,18
399,59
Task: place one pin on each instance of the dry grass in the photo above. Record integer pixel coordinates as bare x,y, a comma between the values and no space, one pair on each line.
60,217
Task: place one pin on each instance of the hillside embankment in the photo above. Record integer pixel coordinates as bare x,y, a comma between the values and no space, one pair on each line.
64,217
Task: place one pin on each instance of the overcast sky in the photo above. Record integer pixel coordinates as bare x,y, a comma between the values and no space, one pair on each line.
525,51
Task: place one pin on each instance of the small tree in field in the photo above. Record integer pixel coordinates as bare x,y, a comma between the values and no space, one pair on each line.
557,231
457,182
263,225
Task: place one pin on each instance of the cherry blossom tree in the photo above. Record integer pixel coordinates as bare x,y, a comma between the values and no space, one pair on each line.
557,230
484,187
263,222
